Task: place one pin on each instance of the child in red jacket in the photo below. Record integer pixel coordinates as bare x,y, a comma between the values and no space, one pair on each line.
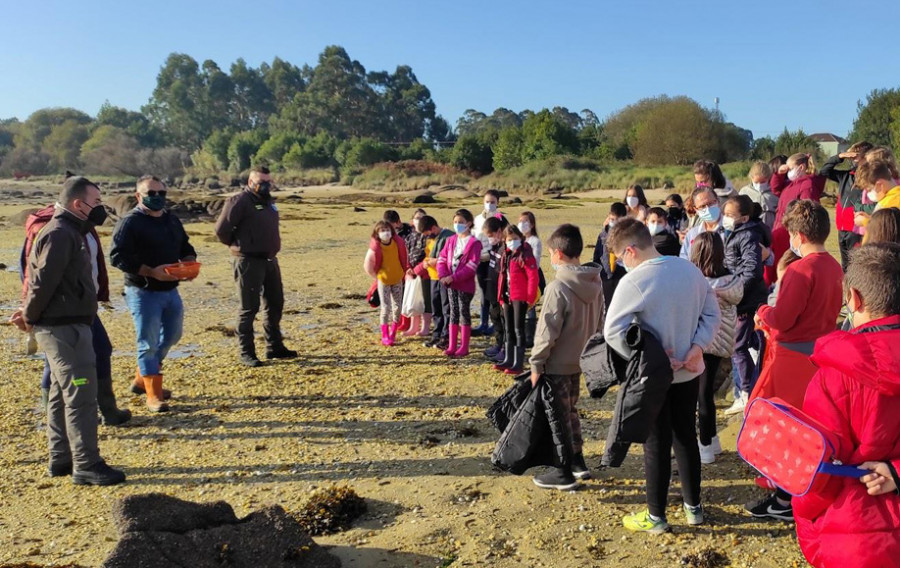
855,394
517,292
809,302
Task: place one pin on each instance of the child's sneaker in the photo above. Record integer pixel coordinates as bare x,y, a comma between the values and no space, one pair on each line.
556,479
707,453
717,445
579,467
770,508
693,515
643,522
491,352
739,404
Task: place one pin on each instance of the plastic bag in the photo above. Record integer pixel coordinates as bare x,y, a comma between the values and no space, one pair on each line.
413,298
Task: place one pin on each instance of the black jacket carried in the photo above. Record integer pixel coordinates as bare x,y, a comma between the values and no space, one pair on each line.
667,244
648,377
743,257
537,434
602,367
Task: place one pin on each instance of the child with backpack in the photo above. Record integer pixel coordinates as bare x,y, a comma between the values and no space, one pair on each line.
855,394
517,292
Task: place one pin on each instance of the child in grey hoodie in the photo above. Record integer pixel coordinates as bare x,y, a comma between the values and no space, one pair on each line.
668,297
571,313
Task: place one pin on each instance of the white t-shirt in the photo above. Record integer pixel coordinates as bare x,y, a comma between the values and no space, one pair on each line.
536,247
94,248
476,230
461,243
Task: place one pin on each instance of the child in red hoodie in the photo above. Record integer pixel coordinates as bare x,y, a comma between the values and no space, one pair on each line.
809,302
855,394
517,293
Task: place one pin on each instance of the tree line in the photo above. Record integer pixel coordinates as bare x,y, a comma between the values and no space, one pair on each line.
339,115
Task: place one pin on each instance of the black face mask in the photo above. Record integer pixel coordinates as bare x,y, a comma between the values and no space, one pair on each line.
675,213
264,189
97,216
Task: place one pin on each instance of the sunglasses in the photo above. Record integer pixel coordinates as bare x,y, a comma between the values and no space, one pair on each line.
154,193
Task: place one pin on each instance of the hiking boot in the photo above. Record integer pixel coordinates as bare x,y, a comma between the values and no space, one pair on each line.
281,352
250,360
643,522
770,508
693,515
740,403
556,478
579,467
98,474
60,469
137,387
116,418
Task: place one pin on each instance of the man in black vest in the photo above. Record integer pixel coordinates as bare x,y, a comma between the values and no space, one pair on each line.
249,226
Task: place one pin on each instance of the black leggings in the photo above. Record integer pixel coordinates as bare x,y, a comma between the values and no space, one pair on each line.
460,307
707,402
675,423
514,322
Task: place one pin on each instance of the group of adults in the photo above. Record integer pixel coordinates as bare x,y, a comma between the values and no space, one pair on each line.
65,275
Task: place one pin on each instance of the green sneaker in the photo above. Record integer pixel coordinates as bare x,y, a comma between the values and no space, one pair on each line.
641,522
694,515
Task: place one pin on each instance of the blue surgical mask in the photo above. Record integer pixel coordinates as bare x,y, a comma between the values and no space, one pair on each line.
460,228
709,214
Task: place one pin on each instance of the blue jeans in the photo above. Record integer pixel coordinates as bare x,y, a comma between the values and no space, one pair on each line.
158,323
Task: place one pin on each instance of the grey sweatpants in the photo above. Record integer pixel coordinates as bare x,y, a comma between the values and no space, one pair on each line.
72,407
391,302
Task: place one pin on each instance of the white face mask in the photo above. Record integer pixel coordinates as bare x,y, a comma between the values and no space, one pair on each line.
872,195
794,174
654,229
728,223
385,235
490,207
493,241
513,245
416,224
756,185
632,201
524,226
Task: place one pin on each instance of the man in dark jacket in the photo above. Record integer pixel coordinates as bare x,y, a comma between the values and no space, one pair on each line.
850,197
145,243
60,306
249,226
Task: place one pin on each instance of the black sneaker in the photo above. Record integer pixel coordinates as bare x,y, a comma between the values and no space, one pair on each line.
281,353
60,469
251,361
770,508
428,343
556,479
98,474
579,467
117,418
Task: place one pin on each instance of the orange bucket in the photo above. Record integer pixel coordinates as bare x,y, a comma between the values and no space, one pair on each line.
183,270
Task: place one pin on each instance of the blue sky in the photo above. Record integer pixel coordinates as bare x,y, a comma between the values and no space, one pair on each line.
799,63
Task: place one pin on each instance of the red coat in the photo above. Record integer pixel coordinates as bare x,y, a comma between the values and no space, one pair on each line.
805,187
856,395
523,275
33,226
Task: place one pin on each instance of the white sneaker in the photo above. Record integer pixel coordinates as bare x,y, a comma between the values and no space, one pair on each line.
707,454
740,403
716,445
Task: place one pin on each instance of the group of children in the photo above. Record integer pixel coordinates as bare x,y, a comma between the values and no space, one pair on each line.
483,252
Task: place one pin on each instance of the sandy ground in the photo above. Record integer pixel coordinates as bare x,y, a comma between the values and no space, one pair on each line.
403,426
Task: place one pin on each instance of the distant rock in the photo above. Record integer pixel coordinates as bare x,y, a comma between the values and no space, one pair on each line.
457,194
514,201
424,198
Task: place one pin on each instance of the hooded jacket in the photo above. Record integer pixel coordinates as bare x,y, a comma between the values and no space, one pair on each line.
767,200
464,275
743,257
856,395
60,283
805,187
33,226
536,433
571,312
729,291
521,266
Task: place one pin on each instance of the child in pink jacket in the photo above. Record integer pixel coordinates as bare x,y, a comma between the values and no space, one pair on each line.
456,270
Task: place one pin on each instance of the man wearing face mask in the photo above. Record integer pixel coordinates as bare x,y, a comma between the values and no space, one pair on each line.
248,224
145,242
849,197
60,307
706,202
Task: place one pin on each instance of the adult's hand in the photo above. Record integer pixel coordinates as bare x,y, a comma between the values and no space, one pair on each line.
159,273
18,320
848,155
880,481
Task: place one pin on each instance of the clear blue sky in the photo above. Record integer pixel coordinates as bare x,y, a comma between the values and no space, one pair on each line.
800,63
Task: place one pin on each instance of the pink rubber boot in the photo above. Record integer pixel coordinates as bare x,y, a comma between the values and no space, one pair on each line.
466,332
451,345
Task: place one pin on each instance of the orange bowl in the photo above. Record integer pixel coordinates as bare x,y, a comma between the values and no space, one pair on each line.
183,270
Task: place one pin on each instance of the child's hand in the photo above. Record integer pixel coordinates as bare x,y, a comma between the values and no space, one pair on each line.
861,219
447,280
535,377
784,169
880,481
694,360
